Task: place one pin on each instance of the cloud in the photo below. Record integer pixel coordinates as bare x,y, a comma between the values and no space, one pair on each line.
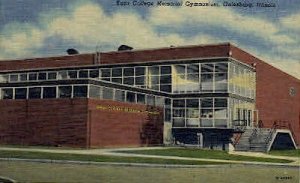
291,22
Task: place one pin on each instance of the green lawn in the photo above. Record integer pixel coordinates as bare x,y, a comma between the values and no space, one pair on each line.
295,152
96,158
208,154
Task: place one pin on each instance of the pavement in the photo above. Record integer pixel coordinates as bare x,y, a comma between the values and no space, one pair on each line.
117,152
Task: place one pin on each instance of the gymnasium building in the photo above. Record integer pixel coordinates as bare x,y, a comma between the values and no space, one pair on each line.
207,96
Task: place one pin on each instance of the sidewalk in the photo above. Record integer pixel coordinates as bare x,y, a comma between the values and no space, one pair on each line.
114,152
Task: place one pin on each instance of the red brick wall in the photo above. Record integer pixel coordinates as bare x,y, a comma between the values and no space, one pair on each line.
111,125
183,52
55,122
272,93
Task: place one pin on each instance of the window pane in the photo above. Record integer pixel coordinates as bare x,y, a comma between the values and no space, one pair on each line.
72,74
84,74
65,91
193,69
94,91
80,91
207,82
23,77
150,100
128,71
42,76
165,70
192,103
105,73
3,78
20,93
179,103
178,122
177,112
117,72
221,67
13,77
207,68
128,81
107,93
49,92
140,71
141,98
165,79
140,80
192,113
117,80
221,113
32,76
166,88
34,92
62,75
154,70
220,102
7,93
179,69
94,73
130,97
207,103
52,75
120,95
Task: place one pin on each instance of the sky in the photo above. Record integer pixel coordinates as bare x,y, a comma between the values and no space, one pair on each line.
35,28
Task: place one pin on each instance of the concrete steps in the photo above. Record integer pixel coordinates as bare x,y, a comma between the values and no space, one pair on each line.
256,140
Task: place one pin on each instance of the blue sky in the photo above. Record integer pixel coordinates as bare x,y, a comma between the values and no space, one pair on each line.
34,28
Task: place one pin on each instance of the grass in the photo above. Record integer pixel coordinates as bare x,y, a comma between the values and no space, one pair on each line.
294,152
96,158
207,154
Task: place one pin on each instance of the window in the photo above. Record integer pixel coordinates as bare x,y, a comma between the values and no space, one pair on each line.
128,80
13,77
20,93
49,92
207,112
94,91
23,77
94,73
35,93
3,78
83,74
120,95
72,74
52,75
150,100
117,72
165,70
130,97
140,71
179,113
32,76
63,75
42,76
107,93
192,112
7,93
80,91
141,98
128,71
65,91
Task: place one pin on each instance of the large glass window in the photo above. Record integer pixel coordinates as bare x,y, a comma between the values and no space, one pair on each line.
13,77
94,91
179,113
49,92
83,74
192,112
65,91
7,93
94,73
80,91
42,76
52,75
140,98
72,74
120,95
130,97
20,93
35,93
220,112
207,112
32,76
3,78
179,78
117,75
107,93
106,74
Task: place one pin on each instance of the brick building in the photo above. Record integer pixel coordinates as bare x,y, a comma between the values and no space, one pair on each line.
205,95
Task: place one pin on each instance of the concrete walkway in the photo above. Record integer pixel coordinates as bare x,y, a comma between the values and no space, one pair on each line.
117,152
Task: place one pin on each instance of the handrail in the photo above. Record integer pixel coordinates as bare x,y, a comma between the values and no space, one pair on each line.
254,134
